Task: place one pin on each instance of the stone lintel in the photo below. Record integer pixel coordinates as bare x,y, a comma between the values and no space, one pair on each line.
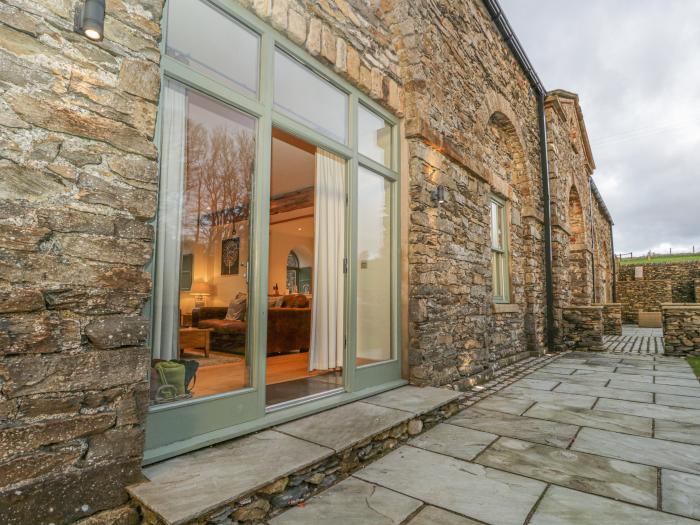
680,306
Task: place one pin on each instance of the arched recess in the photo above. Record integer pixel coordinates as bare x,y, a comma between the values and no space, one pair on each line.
606,276
577,226
580,256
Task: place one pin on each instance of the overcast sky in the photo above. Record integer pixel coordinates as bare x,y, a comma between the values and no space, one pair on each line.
636,67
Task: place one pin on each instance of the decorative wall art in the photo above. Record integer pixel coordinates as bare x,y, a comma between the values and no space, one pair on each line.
230,253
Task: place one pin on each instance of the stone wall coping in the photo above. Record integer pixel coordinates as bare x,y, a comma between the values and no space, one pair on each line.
587,307
646,281
680,306
606,304
505,308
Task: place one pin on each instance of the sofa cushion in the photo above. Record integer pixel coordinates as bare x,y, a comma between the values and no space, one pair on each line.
237,308
297,300
224,326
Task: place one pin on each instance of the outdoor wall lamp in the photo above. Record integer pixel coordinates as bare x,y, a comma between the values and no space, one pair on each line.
90,20
439,195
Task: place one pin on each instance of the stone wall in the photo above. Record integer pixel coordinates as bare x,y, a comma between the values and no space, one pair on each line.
471,125
696,287
78,179
612,318
681,329
646,295
682,275
583,328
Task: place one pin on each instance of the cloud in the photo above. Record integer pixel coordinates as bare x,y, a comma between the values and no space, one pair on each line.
635,66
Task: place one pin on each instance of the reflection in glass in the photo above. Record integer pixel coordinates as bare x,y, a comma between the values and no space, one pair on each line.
310,99
214,44
374,268
374,136
207,166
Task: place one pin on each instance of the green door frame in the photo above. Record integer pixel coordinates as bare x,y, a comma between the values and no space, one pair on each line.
223,416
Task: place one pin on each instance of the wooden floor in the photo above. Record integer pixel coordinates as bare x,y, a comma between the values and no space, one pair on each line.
232,376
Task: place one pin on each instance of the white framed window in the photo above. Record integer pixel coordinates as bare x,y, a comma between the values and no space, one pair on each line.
499,251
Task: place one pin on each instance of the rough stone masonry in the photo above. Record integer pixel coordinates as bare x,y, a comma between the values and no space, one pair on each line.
78,181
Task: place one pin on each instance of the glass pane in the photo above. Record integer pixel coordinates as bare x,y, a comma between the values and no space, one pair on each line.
214,44
374,268
309,99
305,320
374,136
495,229
207,165
497,273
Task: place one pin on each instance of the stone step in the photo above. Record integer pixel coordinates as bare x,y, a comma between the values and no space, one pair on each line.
256,476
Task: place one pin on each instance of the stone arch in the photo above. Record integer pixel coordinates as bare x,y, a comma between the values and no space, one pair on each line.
497,119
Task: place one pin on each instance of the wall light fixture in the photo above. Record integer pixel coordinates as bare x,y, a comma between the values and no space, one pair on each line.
90,20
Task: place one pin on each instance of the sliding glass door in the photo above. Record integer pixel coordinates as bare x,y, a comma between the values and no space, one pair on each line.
276,272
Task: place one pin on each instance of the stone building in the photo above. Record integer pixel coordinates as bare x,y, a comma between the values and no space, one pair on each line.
157,191
582,244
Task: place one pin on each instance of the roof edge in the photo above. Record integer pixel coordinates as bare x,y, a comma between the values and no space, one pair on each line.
503,25
601,202
568,95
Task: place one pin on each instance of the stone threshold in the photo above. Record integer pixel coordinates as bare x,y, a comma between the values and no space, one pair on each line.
255,477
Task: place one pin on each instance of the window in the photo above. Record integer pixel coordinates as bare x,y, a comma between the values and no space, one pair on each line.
499,252
310,99
292,272
214,44
276,232
186,264
206,179
374,303
374,136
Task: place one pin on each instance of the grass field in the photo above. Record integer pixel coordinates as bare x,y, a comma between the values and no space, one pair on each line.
694,362
656,259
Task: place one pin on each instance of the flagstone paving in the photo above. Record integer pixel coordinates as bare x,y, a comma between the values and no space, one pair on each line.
588,439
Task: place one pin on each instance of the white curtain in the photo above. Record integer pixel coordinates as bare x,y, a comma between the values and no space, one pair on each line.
167,262
326,350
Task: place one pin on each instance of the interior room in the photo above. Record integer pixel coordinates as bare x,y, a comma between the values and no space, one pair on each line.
304,337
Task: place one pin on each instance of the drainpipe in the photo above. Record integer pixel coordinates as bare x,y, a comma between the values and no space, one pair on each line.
544,162
499,18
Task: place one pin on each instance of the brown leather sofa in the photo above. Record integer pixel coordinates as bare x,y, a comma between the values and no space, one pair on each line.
288,327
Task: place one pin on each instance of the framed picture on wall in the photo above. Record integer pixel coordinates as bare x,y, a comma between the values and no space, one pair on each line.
230,253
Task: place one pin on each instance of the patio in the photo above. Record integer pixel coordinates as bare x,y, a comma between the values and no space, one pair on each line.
586,439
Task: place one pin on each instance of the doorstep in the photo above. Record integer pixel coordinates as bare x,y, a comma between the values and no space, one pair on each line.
254,476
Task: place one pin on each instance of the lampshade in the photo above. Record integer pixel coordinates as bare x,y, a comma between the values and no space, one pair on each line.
200,288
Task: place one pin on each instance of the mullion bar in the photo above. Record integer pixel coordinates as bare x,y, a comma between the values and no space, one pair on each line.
191,78
285,123
377,168
260,236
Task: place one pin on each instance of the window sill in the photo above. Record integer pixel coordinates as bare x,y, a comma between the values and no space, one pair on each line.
506,308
